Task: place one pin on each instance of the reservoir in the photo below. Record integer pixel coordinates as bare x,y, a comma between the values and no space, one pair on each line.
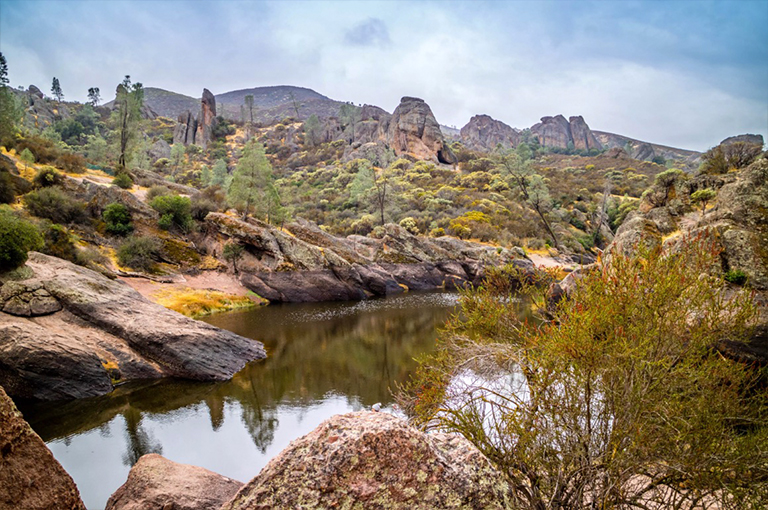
323,359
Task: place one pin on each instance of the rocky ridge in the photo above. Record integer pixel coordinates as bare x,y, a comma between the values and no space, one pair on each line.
69,332
561,133
485,133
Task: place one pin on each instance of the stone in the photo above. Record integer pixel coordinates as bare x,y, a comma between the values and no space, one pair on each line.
414,130
553,132
483,133
35,92
207,120
747,138
103,321
375,460
155,482
582,136
160,149
30,477
185,130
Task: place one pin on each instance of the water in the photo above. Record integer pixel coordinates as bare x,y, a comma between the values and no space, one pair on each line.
323,359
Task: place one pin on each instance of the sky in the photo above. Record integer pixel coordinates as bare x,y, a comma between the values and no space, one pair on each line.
681,73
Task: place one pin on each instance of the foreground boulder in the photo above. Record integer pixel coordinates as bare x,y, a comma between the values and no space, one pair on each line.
158,483
374,460
69,332
30,477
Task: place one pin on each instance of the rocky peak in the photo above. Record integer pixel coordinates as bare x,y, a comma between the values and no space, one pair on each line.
482,132
559,132
190,130
583,138
414,130
747,138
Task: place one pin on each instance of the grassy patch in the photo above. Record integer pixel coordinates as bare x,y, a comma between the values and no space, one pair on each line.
200,302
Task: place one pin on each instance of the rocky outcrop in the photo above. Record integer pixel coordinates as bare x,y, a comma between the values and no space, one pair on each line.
69,332
483,133
746,138
185,130
561,133
30,477
375,460
646,151
413,130
308,264
160,149
206,121
156,482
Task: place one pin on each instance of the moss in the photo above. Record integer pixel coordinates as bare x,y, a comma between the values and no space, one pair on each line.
200,302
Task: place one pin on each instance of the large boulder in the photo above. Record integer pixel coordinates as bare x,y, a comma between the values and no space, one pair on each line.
158,483
30,477
69,332
583,138
484,133
375,460
413,130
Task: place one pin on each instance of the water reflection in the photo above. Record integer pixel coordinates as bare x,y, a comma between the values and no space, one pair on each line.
323,359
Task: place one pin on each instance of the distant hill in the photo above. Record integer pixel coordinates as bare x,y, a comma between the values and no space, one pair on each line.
166,103
645,150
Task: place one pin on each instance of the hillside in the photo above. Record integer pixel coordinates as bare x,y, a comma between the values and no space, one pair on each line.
645,150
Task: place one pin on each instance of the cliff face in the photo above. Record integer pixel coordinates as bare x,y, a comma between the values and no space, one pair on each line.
485,133
413,130
559,132
197,130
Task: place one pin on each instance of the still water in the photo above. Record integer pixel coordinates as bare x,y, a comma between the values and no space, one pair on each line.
323,359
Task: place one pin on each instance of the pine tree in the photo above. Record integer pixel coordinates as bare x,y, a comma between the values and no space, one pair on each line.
252,190
56,90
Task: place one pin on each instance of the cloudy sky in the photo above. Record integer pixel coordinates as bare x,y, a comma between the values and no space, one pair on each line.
686,74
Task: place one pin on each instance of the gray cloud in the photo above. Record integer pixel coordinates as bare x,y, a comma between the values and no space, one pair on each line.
371,32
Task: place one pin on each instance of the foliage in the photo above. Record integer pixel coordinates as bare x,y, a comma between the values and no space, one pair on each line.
156,191
619,400
175,212
200,302
48,176
252,190
7,188
220,174
201,206
312,130
703,196
56,205
94,96
668,177
71,163
736,276
56,89
17,237
409,224
232,253
721,159
129,101
118,219
123,180
60,242
139,252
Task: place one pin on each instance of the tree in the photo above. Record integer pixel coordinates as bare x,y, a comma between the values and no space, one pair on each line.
3,71
249,105
94,96
252,189
312,130
703,197
10,108
220,173
56,90
177,156
295,105
27,157
233,252
118,219
17,237
349,115
129,101
175,212
206,176
620,399
532,187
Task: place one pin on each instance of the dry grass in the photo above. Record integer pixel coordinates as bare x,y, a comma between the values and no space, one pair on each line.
199,302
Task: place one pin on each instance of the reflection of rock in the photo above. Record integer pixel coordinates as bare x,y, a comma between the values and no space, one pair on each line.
158,483
30,477
367,460
105,330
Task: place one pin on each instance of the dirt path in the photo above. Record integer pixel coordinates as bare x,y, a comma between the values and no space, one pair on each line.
207,280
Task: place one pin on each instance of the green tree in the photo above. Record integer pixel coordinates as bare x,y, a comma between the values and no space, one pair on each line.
3,71
618,400
118,219
703,197
249,105
206,176
233,252
531,186
129,101
96,148
94,96
139,252
11,110
56,90
252,190
175,212
177,157
27,157
312,130
349,115
220,173
17,237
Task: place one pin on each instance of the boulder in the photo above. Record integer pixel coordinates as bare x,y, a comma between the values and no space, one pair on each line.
375,460
553,132
185,130
747,138
483,133
30,477
583,138
160,149
302,286
155,482
414,130
90,330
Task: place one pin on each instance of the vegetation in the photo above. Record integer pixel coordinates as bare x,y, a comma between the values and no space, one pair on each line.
118,219
139,252
619,399
232,253
127,117
732,156
252,190
703,197
175,212
201,302
736,276
56,205
17,237
123,180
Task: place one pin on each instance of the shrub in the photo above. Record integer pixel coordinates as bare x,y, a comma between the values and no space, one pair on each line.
123,180
48,176
201,206
409,224
118,219
175,211
56,205
617,397
736,276
156,191
17,237
7,188
74,163
59,242
139,252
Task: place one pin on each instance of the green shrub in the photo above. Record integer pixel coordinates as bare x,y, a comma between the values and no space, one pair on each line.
56,205
17,237
7,188
48,176
123,180
118,219
201,206
59,242
156,191
175,211
74,163
139,252
409,224
736,276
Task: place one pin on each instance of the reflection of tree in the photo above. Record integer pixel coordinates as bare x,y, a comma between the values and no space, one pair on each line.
261,421
139,440
215,404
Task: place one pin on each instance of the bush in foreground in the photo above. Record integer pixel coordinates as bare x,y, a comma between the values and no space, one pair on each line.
56,205
620,399
139,252
17,237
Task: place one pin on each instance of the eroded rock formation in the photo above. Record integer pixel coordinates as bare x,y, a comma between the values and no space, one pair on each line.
375,460
559,132
413,130
156,482
485,133
197,130
30,477
69,332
